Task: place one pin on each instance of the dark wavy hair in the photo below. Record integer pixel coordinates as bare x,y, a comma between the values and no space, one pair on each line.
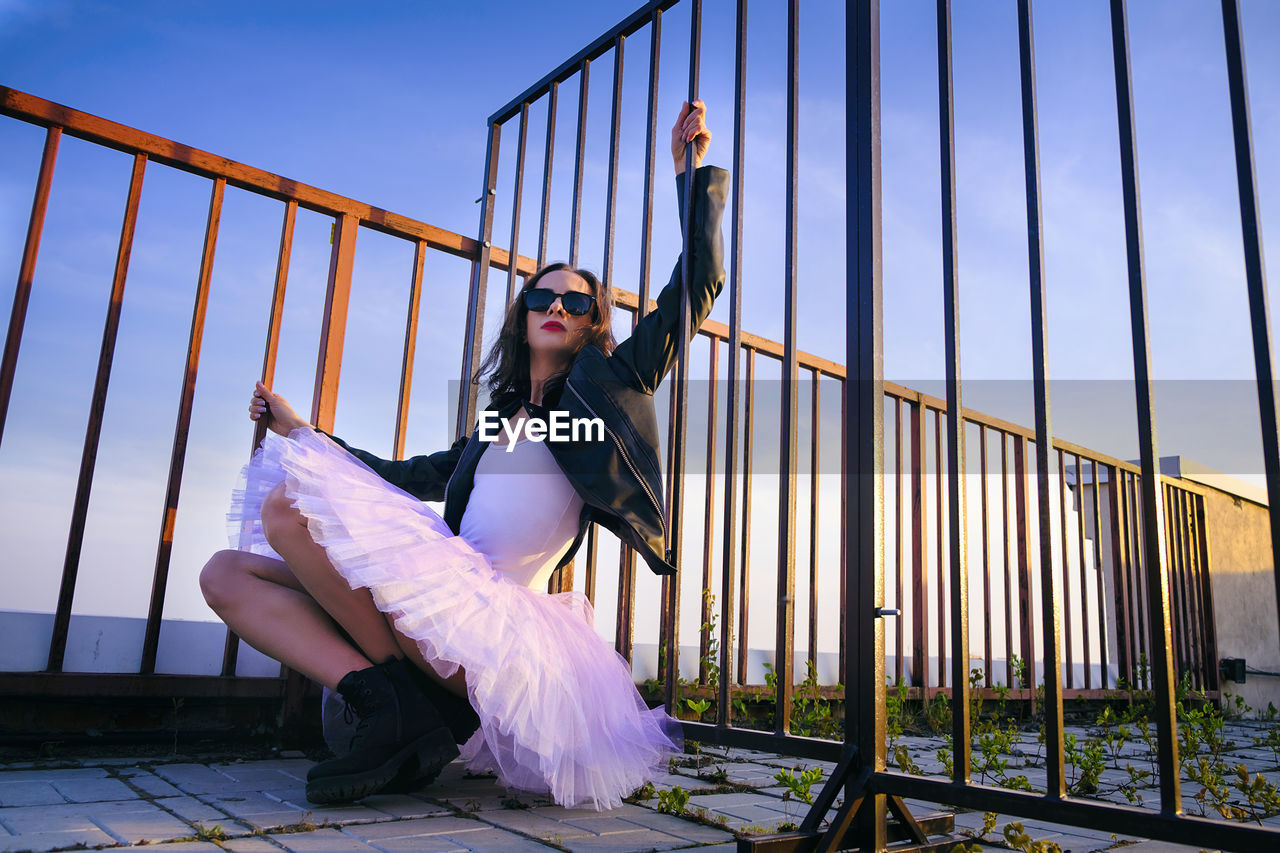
507,364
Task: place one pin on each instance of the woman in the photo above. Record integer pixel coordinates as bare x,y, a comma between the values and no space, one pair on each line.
437,630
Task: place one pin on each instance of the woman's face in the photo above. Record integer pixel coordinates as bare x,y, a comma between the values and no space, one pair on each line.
555,332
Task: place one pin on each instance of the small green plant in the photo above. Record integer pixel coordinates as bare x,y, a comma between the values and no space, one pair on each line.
674,801
902,758
644,792
210,833
1016,836
698,706
709,663
800,786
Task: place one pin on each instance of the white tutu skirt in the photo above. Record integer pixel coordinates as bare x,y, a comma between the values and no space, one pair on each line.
559,710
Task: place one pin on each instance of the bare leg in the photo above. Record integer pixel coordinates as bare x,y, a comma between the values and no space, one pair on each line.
260,599
286,530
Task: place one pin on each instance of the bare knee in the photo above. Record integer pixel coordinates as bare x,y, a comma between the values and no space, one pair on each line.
279,515
221,578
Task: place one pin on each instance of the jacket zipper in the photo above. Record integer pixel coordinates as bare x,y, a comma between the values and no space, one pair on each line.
622,451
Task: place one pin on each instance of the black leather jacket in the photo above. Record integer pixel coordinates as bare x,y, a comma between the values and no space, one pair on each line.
620,478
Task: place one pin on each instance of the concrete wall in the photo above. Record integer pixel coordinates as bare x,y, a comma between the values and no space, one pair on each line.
1244,598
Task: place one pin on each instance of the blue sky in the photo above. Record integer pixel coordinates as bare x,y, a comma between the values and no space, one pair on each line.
387,103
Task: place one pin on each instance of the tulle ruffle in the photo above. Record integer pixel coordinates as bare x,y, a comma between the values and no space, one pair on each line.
558,707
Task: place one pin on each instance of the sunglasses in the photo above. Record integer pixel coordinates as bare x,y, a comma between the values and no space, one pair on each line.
539,299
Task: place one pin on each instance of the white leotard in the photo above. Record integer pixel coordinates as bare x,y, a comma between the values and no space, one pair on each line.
522,512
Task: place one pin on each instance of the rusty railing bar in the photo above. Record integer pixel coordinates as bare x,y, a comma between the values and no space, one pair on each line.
680,389
589,581
984,505
1130,820
650,156
177,459
1180,622
709,513
547,165
1254,266
93,431
956,462
1206,596
478,289
615,121
900,496
595,50
786,612
919,586
748,443
1152,510
814,455
333,328
27,269
1026,615
410,348
732,402
1118,507
1054,762
1084,575
939,530
517,201
1193,590
864,353
1007,559
167,152
231,647
1100,580
1068,656
579,159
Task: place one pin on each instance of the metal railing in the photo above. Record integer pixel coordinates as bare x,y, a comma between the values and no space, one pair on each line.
1157,559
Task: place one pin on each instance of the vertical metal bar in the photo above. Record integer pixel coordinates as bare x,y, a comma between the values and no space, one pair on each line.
410,345
843,563
478,289
27,270
575,222
1193,590
709,513
1066,568
956,468
1007,543
919,533
650,146
164,551
786,561
517,200
80,509
900,494
680,388
1039,348
744,582
1099,583
231,646
1138,566
1026,628
333,328
1255,271
1179,626
625,638
615,122
1084,574
814,444
1206,597
986,552
1120,573
1152,509
939,546
864,355
589,581
548,163
732,401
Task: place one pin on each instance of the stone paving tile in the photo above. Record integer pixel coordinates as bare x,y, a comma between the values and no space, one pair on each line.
54,775
153,785
322,841
29,794
686,829
189,808
335,814
441,834
90,836
94,790
619,842
404,806
179,847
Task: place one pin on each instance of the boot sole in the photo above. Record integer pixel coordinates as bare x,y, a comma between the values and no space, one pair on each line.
431,752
